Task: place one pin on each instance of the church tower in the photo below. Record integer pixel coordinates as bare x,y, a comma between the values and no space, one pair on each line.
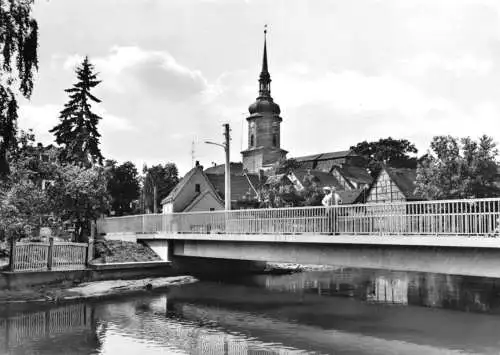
263,125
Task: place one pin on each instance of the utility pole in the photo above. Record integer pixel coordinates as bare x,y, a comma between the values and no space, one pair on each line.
155,193
227,192
227,170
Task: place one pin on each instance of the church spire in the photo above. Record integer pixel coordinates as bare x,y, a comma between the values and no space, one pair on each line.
265,77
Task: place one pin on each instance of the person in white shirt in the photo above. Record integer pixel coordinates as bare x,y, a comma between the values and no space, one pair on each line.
332,198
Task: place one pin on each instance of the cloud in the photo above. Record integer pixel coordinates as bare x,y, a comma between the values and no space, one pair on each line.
45,117
465,64
134,70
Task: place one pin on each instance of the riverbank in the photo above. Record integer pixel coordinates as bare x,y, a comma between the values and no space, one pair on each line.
69,290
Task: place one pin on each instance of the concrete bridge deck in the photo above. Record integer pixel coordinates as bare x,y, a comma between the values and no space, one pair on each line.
455,237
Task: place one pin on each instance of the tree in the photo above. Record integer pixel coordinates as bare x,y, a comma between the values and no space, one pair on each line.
23,201
393,152
77,131
163,178
79,195
18,62
123,186
459,168
284,166
283,193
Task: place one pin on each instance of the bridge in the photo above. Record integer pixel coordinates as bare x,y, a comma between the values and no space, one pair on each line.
445,236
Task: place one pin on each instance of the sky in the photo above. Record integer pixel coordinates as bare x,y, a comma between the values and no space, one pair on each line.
342,72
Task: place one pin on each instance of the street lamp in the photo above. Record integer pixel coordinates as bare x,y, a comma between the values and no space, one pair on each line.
227,173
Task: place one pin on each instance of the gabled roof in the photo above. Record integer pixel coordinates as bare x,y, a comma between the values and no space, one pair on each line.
239,185
236,168
350,197
355,174
180,185
405,179
200,196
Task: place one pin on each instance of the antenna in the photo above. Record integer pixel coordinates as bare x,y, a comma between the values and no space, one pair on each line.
192,153
243,114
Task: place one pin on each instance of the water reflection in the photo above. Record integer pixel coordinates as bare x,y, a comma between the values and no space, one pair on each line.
344,311
73,323
465,293
138,326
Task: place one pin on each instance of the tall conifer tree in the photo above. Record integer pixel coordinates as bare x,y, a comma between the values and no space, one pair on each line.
77,131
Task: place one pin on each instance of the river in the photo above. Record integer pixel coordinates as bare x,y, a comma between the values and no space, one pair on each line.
346,311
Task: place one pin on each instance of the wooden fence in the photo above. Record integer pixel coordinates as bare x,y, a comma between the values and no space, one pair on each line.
31,256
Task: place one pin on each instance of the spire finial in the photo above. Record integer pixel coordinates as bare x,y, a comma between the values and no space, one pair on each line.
265,78
264,57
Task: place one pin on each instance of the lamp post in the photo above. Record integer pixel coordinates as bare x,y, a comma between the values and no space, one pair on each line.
227,172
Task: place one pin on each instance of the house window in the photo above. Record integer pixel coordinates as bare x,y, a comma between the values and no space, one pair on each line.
251,140
197,188
275,140
212,209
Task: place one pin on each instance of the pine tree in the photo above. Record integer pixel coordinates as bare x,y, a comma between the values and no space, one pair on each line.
77,130
18,62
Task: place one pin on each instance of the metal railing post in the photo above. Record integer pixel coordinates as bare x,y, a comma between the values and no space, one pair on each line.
50,254
12,256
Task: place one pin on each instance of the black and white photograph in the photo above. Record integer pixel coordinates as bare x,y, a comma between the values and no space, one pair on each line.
243,177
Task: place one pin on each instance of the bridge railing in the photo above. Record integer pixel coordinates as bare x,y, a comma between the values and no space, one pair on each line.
444,217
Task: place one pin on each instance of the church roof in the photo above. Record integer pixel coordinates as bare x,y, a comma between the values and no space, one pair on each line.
325,156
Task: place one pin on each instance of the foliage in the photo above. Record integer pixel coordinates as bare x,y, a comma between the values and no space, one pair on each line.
164,178
21,206
282,193
393,152
459,168
77,131
79,195
123,186
284,166
24,202
18,62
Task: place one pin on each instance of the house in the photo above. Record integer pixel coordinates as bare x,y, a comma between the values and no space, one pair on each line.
394,185
201,190
194,192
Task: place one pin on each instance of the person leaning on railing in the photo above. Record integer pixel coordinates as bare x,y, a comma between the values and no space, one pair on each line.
332,198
